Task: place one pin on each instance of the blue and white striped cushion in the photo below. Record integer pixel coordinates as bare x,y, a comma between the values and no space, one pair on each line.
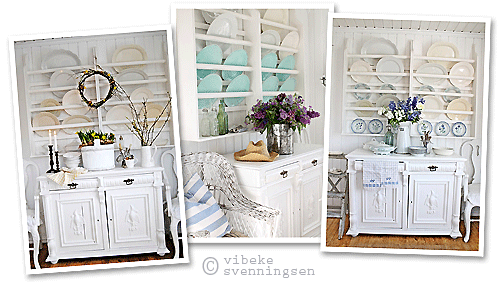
202,211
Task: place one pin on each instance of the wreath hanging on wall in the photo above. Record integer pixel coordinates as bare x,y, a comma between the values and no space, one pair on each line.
114,88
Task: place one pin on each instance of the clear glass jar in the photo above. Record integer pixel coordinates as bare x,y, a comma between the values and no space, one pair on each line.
389,136
214,124
205,124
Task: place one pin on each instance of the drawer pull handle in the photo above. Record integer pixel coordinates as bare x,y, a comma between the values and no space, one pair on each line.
284,173
129,181
314,162
432,167
72,185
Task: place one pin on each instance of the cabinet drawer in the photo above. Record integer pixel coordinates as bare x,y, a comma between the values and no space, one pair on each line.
285,172
128,180
430,167
75,184
311,161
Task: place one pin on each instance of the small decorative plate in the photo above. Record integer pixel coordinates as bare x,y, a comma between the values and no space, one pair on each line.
425,88
153,111
432,103
387,87
269,60
72,99
288,85
458,105
442,128
225,25
430,74
287,63
240,83
51,103
444,50
386,100
270,84
358,126
276,15
291,40
389,64
461,69
375,126
452,90
62,78
60,58
44,119
129,53
459,129
423,127
76,119
239,58
378,46
210,84
270,37
364,104
361,95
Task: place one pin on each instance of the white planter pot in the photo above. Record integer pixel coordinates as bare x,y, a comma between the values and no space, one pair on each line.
403,140
147,156
98,157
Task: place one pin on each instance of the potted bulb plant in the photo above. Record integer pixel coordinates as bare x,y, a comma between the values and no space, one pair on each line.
97,149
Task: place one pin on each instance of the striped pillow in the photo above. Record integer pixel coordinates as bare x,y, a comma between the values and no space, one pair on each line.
202,211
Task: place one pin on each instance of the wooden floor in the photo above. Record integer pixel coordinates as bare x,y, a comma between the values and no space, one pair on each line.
401,242
103,260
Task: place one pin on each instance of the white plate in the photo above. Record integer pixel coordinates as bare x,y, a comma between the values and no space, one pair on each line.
459,129
44,119
358,126
131,75
364,103
425,88
389,64
119,113
275,15
431,69
461,69
270,37
60,58
387,87
129,53
432,103
72,98
51,103
153,111
291,40
444,50
378,46
76,119
458,105
209,17
442,128
62,78
361,66
225,25
386,100
139,95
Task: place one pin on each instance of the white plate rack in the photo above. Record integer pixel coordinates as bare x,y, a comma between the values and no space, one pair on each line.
91,51
248,37
407,86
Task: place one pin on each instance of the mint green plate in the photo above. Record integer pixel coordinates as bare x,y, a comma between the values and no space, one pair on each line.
240,83
206,103
269,60
288,85
270,85
239,58
287,63
210,84
233,102
211,54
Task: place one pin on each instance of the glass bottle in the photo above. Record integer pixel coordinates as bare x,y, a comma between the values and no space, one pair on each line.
205,124
222,118
389,136
214,125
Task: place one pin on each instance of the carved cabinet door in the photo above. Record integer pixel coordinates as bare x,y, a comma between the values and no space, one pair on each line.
78,218
131,217
430,200
310,200
381,208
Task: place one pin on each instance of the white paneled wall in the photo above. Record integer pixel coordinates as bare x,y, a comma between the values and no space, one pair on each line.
401,36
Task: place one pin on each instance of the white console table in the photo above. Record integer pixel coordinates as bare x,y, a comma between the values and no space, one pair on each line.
425,202
105,213
291,183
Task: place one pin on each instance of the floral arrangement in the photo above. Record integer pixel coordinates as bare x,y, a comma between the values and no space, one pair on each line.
87,138
281,109
143,127
403,111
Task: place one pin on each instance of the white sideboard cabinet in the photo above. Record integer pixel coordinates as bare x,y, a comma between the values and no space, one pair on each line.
291,183
426,200
105,213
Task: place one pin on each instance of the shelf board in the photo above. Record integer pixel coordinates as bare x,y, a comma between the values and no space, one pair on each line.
278,25
444,59
223,67
377,56
223,95
222,39
202,139
280,71
280,48
111,64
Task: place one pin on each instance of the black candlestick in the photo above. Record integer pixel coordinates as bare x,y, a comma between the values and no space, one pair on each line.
51,160
57,161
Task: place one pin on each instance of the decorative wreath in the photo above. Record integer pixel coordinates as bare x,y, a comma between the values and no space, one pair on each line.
114,88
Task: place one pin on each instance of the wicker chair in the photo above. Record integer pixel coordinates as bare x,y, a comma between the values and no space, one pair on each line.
245,216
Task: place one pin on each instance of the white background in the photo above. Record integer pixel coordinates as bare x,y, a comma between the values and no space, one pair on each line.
332,270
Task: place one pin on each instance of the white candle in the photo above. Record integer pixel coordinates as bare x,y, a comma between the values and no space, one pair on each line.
50,137
55,140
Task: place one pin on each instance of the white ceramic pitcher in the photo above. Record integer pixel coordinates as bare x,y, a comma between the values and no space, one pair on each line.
147,156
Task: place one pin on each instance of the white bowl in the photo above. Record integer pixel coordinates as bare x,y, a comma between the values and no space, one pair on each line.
442,150
417,150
